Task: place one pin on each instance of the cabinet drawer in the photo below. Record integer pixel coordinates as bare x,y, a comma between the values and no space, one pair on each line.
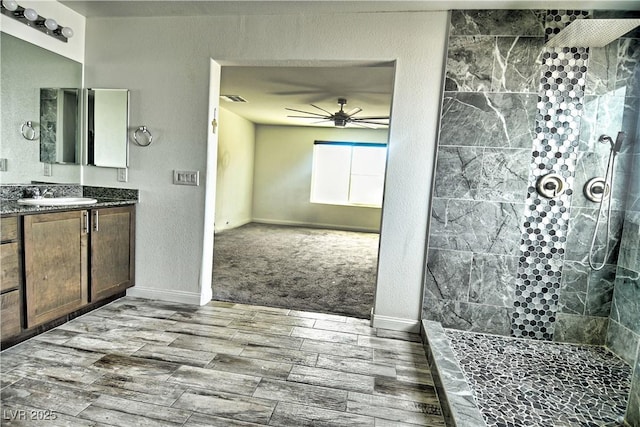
9,266
10,314
8,228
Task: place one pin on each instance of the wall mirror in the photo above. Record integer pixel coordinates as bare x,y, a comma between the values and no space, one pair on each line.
60,125
25,69
107,127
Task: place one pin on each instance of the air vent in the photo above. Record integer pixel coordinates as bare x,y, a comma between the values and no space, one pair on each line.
233,98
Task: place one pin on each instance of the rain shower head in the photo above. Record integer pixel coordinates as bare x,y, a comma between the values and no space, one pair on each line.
592,32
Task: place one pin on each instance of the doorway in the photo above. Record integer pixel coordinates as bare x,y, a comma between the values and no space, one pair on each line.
273,246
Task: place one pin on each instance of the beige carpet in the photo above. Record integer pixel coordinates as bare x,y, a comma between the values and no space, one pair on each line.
327,271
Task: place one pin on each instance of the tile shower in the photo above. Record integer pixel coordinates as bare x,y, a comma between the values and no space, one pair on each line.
502,259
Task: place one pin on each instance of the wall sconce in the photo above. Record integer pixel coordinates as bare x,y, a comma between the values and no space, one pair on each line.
31,18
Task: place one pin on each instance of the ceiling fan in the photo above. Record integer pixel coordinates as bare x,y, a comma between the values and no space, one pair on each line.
342,118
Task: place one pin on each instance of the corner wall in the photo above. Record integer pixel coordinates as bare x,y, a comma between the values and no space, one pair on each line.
165,62
234,183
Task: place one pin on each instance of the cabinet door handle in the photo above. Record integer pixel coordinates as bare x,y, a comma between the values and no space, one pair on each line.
85,222
95,220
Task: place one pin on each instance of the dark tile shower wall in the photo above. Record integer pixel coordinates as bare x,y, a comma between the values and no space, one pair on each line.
482,273
623,335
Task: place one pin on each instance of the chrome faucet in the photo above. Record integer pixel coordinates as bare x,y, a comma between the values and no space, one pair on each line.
35,193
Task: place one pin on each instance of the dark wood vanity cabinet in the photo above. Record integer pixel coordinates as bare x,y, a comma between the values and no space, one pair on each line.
55,258
112,251
10,278
76,258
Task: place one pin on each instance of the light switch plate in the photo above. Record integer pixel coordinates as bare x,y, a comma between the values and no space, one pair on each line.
186,177
3,165
123,174
47,169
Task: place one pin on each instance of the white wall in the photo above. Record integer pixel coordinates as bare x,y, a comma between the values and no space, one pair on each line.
165,63
234,183
282,179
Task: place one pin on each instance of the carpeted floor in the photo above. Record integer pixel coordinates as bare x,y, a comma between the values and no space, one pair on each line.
299,268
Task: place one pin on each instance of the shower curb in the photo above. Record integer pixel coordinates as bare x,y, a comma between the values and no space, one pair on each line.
456,399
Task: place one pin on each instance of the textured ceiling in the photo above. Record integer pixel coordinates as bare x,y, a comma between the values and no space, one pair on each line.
268,90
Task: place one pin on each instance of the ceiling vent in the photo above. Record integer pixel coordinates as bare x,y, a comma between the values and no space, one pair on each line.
233,98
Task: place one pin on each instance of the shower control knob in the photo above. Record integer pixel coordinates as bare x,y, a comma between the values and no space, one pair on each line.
596,189
551,185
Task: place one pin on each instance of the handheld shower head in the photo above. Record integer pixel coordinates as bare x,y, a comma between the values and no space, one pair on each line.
618,144
606,139
615,145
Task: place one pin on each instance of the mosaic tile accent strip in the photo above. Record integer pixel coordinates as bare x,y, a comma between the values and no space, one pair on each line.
520,382
545,227
556,20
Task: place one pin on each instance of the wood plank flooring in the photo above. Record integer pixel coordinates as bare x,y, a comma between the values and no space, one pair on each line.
139,362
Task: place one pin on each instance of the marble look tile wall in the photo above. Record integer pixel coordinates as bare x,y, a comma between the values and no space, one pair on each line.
48,125
613,104
484,156
490,120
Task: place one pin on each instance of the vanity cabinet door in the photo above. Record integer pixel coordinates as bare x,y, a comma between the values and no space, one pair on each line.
112,251
55,250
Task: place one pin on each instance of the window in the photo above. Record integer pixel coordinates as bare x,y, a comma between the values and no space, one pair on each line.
348,173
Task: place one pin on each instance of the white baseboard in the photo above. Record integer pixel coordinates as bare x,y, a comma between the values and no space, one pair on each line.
230,225
164,295
395,323
315,225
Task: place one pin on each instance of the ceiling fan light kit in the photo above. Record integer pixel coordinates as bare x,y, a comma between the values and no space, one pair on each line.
343,118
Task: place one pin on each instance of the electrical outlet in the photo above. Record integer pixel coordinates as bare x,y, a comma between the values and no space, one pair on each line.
3,165
123,174
186,177
47,169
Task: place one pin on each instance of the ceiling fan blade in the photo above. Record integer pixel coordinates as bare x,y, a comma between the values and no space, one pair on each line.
305,112
371,118
310,117
369,122
363,125
322,109
354,111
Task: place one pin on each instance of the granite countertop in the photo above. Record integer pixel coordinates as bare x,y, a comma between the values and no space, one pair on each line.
13,207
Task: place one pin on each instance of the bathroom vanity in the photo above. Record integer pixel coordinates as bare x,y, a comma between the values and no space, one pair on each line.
62,261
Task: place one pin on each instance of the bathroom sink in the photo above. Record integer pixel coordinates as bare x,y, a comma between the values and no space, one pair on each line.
58,201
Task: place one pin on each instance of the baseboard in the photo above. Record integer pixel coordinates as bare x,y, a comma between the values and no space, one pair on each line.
164,295
315,225
395,323
230,225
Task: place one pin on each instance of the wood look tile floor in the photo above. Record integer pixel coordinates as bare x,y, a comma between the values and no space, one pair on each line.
139,362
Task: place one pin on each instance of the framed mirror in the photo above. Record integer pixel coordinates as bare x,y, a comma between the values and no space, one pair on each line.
107,127
60,125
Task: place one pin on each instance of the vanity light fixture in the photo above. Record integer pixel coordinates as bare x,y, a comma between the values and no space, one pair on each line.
31,18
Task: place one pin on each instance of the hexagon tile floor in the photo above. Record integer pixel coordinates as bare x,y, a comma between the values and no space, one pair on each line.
523,382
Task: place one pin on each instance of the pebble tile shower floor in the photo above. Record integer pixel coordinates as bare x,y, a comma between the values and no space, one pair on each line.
521,382
138,362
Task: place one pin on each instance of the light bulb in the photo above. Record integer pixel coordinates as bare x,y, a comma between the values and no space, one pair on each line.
67,32
51,24
10,5
30,14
